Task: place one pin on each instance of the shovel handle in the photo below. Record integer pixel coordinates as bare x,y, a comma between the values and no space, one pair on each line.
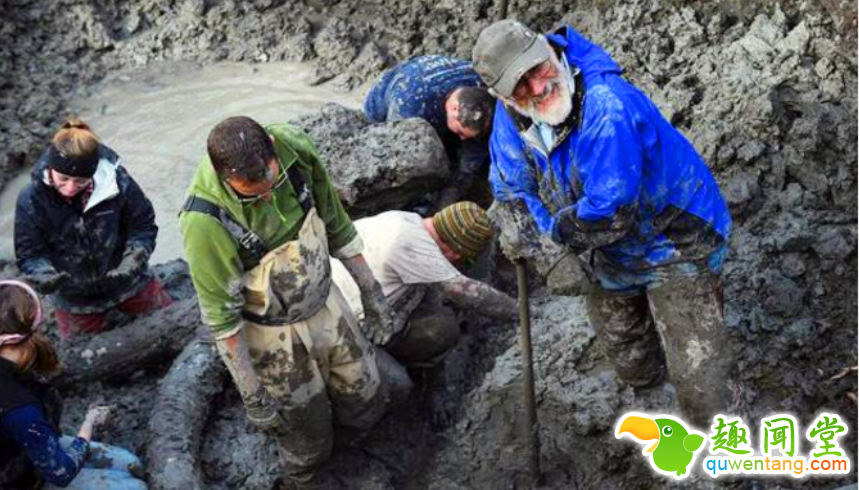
532,434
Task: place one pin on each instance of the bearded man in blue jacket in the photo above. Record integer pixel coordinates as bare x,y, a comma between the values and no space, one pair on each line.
601,172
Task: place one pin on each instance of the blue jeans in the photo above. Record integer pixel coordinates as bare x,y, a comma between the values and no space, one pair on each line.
106,468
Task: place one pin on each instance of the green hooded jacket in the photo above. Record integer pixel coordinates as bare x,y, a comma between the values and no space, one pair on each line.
212,253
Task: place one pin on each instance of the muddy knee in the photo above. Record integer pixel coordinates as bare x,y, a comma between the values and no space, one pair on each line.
307,438
431,335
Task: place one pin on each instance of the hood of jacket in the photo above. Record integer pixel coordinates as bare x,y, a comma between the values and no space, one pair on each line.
591,59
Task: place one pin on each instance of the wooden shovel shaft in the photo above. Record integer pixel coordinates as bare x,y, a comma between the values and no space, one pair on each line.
532,436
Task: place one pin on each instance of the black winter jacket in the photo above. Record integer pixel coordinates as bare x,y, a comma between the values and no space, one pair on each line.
17,389
86,243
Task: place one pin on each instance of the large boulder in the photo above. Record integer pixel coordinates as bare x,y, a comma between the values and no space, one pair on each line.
377,167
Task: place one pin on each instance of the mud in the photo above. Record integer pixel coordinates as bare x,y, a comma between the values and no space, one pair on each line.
765,90
377,167
176,427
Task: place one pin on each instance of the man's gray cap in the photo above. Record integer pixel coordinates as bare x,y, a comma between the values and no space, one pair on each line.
504,52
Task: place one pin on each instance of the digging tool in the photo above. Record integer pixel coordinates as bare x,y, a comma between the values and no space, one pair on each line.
532,434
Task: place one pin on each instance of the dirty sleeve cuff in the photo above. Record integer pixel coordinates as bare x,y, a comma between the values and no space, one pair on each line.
351,249
222,332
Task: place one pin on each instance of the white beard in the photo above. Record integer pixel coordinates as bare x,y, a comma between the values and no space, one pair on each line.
559,109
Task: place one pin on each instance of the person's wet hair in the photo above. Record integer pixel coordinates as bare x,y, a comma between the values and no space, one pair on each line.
19,313
476,110
240,148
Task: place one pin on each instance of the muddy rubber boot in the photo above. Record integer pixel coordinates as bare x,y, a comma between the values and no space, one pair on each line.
443,384
690,314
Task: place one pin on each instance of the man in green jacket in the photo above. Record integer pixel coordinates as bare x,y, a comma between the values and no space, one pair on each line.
260,220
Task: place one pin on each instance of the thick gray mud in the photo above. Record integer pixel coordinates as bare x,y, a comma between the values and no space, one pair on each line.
765,90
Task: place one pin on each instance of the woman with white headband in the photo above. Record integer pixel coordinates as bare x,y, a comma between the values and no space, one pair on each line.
32,450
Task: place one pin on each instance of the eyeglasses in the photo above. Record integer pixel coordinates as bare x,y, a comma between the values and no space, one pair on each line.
542,71
281,178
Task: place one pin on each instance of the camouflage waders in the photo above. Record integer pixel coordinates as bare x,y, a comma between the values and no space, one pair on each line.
307,350
685,304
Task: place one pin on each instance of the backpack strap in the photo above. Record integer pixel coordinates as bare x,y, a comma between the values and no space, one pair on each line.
251,247
299,185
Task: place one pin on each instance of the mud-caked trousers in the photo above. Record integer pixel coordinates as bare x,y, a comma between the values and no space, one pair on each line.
324,373
309,353
669,318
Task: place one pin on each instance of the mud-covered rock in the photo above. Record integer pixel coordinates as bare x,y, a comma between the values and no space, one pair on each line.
578,404
376,167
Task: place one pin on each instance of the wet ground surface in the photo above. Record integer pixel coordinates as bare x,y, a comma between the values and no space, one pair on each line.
765,90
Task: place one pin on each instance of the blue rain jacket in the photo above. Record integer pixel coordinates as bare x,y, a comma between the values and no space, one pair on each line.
621,180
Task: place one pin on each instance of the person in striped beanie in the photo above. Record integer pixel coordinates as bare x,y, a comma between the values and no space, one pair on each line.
414,259
463,230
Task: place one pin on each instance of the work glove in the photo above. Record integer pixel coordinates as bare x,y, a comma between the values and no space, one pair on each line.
132,263
568,277
47,281
378,323
263,411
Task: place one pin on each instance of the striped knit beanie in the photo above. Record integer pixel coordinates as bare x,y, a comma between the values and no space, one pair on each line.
464,227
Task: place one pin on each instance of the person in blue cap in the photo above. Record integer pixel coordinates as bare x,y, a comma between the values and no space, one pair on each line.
600,171
447,93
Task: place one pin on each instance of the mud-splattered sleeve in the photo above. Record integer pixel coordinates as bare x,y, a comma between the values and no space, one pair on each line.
510,173
216,272
31,244
56,464
609,159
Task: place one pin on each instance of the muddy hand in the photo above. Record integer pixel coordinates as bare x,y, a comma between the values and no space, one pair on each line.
378,324
132,262
263,411
47,282
98,415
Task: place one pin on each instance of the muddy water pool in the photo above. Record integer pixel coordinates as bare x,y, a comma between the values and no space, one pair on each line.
158,118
